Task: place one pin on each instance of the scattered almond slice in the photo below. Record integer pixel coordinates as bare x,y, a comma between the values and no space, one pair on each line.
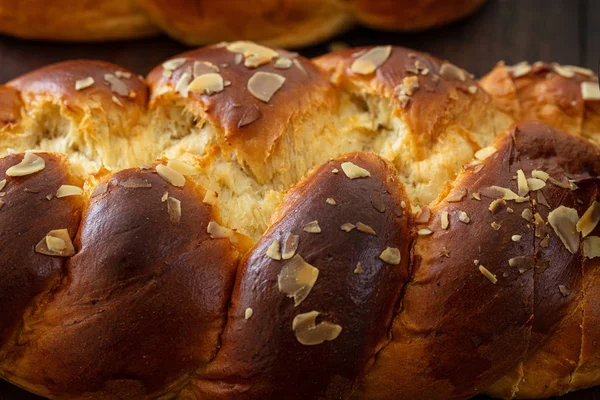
535,184
359,269
174,210
456,195
2,184
391,255
484,153
56,243
248,313
590,91
263,85
173,64
424,232
522,186
208,83
309,333
368,62
463,217
274,250
591,247
353,171
444,220
365,228
289,245
283,63
135,183
297,278
84,83
182,168
515,238
540,175
312,227
330,201
347,227
100,189
116,85
68,190
30,164
170,175
564,220
589,219
217,231
491,277
451,72
183,83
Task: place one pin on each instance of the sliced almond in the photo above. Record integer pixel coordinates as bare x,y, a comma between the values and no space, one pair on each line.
444,220
491,277
451,72
353,171
68,190
520,69
297,278
463,217
2,184
164,197
391,255
484,153
182,168
330,201
203,67
540,175
496,226
312,227
515,238
347,227
274,250
116,85
134,183
207,84
497,205
590,91
283,63
183,83
100,189
522,263
173,64
456,195
589,219
56,243
248,313
84,83
289,245
30,164
522,186
591,247
309,333
170,175
564,72
263,85
359,269
564,220
368,62
365,228
255,54
217,231
535,184
424,232
580,70
174,210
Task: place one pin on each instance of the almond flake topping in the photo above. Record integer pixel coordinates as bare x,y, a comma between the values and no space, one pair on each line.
203,67
347,227
522,263
2,203
484,153
535,184
208,83
368,62
248,313
183,83
353,171
173,64
359,268
452,73
591,247
283,63
590,91
309,333
540,175
498,192
123,74
523,188
391,255
297,278
68,190
312,227
170,175
30,164
210,197
116,85
263,85
456,195
174,210
255,55
330,201
2,184
164,197
520,69
496,226
365,228
515,238
182,168
562,71
491,277
56,243
589,219
497,205
580,70
564,220
463,217
274,250
134,183
444,220
424,232
217,231
84,83
100,189
290,245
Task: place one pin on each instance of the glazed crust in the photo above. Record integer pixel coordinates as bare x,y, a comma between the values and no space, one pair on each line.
176,288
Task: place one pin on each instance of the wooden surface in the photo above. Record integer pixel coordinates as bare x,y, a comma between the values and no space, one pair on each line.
565,31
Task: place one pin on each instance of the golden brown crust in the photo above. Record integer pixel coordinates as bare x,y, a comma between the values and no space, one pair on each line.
134,286
10,105
407,15
74,21
260,358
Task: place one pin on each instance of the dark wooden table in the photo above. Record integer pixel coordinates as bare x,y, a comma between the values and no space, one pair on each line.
565,31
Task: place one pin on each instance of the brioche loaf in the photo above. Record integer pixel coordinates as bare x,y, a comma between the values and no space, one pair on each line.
248,224
275,22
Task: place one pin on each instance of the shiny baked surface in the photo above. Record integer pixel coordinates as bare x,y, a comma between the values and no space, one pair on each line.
247,223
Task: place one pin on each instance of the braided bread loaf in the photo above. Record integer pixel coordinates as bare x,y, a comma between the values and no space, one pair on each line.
248,224
275,22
